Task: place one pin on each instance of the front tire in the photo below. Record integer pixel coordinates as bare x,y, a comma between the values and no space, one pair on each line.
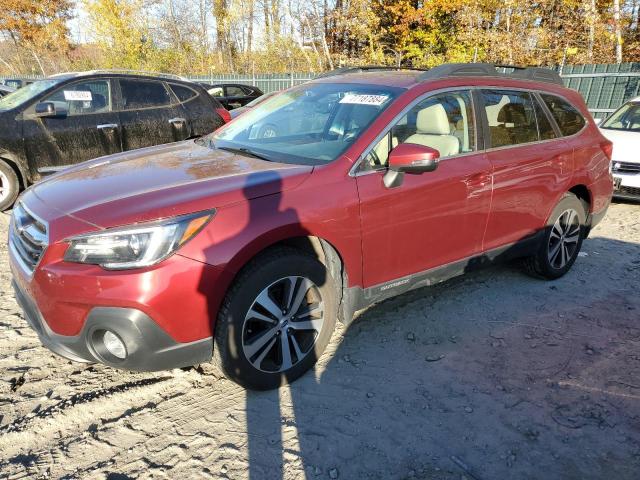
276,319
9,186
562,240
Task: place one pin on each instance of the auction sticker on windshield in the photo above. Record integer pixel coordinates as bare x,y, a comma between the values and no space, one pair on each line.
359,99
77,96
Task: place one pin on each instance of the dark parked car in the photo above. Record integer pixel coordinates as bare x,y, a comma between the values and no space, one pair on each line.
236,112
17,83
68,118
5,90
248,250
232,95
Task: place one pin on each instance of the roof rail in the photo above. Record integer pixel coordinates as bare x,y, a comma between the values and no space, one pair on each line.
124,71
537,74
364,68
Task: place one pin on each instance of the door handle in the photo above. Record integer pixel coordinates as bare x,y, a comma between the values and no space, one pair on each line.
107,126
173,121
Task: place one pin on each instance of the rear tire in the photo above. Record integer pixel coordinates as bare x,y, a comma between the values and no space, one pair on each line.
276,320
562,240
9,186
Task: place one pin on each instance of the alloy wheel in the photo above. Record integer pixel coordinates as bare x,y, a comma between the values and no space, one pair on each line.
5,188
282,325
564,239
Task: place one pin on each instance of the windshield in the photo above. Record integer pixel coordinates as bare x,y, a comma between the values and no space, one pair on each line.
25,94
310,125
260,99
626,117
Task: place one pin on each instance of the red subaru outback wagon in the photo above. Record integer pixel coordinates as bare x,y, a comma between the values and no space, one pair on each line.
245,247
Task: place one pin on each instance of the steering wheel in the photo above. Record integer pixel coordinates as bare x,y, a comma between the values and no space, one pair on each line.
350,135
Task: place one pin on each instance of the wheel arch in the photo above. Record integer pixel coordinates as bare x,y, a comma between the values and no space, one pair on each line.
581,191
584,195
18,167
323,250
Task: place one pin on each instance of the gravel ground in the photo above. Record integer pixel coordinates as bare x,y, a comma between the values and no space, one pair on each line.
490,376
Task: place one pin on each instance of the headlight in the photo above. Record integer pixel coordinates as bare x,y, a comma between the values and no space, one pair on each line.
136,246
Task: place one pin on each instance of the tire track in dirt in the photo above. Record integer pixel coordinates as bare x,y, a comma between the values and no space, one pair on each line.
77,412
20,424
159,432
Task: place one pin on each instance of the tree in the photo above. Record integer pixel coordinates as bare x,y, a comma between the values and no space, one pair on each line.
36,28
120,29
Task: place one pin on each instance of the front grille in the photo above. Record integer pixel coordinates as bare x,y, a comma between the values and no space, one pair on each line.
629,191
625,167
28,237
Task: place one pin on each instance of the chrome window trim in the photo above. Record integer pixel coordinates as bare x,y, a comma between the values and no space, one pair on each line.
353,171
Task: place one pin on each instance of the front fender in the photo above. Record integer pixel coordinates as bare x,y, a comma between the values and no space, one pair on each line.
19,164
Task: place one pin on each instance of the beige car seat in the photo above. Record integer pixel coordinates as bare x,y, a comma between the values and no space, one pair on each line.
434,130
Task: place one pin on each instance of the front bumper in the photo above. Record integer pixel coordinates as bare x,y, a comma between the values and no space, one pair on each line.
629,186
148,347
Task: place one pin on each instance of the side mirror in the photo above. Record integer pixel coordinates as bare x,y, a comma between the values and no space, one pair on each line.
410,158
413,158
51,110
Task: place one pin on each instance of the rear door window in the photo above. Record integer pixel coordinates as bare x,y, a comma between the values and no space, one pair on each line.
511,117
82,98
568,117
138,94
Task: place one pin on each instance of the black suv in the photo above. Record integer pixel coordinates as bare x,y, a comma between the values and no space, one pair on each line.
68,118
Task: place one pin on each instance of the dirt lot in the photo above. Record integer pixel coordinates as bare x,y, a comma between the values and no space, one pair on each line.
491,376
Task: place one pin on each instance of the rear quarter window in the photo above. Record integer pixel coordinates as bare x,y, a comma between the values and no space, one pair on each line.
183,93
569,119
235,91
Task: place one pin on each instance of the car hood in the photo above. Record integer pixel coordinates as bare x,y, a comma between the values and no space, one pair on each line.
625,144
162,181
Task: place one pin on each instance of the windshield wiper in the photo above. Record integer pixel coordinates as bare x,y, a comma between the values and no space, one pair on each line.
244,151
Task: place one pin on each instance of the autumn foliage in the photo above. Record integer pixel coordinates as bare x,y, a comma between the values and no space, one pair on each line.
245,36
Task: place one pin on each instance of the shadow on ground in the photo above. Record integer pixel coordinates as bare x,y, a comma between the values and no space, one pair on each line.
492,375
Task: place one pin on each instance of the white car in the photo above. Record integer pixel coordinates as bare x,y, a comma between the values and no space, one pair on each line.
623,129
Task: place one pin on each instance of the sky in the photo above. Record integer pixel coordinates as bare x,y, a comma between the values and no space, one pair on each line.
79,33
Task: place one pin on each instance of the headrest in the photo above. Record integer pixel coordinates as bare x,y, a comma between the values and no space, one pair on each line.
99,101
512,113
433,120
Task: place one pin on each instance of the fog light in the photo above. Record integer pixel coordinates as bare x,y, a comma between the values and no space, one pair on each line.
114,345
